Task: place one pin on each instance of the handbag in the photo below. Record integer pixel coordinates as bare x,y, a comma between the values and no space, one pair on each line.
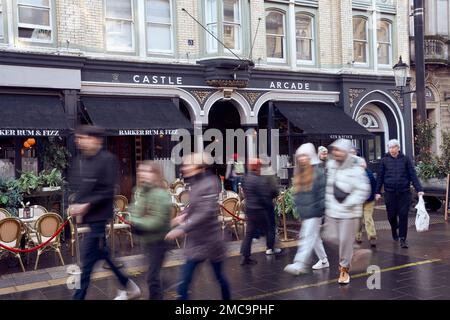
339,195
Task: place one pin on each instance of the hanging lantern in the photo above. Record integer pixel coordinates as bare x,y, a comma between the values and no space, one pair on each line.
26,144
31,141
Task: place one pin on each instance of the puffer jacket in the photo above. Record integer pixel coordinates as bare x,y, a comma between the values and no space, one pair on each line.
259,193
396,174
150,212
204,237
311,204
351,178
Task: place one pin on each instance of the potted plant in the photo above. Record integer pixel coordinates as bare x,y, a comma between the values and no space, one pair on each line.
28,182
51,180
289,206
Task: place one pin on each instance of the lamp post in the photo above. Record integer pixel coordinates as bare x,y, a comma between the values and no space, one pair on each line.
401,75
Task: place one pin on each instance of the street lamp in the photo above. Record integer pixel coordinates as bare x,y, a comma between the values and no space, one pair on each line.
401,75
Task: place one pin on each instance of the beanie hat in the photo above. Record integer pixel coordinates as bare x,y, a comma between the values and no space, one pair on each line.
343,145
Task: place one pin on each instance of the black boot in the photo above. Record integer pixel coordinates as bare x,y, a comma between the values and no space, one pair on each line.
248,261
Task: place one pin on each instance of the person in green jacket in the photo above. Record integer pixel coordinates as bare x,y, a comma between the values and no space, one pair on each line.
150,218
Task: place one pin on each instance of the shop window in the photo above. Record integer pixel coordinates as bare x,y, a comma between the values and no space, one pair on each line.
360,40
384,42
35,20
7,159
276,36
119,25
159,26
225,26
304,33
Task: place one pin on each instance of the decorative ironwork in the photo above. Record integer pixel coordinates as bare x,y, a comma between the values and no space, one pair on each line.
398,96
201,95
353,94
251,96
227,83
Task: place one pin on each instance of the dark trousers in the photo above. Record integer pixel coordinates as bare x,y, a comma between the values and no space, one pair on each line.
155,254
271,229
188,272
255,224
93,249
397,207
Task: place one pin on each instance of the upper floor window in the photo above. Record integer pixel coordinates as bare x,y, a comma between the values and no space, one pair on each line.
159,26
35,20
360,40
304,34
119,25
275,35
1,21
384,42
224,20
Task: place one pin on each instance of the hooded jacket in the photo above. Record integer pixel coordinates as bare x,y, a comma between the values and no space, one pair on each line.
349,177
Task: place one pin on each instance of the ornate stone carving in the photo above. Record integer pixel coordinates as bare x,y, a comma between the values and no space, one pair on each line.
227,83
398,96
251,96
201,95
353,94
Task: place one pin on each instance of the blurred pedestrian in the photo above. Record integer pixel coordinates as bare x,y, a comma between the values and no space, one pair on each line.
309,197
368,207
396,174
258,193
347,189
200,224
269,174
235,172
150,219
93,177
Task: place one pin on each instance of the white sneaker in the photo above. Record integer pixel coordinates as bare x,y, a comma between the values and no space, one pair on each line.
132,292
321,264
273,251
295,269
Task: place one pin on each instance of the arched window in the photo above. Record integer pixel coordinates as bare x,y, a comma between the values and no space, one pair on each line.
275,35
360,40
304,34
384,42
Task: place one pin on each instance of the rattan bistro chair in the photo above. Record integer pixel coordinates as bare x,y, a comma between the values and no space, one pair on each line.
228,221
174,212
183,197
177,186
121,213
46,226
10,236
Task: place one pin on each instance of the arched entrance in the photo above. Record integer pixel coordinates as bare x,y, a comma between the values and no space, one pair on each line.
222,115
375,118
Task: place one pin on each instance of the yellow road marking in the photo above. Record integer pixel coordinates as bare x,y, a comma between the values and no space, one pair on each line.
318,284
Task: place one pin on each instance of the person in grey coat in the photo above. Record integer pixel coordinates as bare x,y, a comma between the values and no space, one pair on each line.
200,224
309,196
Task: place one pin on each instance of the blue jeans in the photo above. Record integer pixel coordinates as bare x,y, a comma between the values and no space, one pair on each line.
188,272
92,250
235,183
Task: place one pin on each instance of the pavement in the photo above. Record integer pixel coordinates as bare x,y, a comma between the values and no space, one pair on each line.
419,272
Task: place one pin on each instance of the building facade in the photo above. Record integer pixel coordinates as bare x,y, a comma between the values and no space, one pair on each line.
142,67
437,66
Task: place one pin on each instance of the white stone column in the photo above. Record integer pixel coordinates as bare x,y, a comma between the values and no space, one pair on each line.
290,36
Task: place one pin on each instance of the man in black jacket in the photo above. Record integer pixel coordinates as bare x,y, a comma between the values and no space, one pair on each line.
93,176
396,174
259,194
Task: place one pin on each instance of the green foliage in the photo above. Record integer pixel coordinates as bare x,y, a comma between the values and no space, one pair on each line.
10,196
55,155
29,182
290,208
424,140
429,165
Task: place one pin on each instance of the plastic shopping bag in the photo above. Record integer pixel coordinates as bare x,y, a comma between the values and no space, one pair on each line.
422,217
